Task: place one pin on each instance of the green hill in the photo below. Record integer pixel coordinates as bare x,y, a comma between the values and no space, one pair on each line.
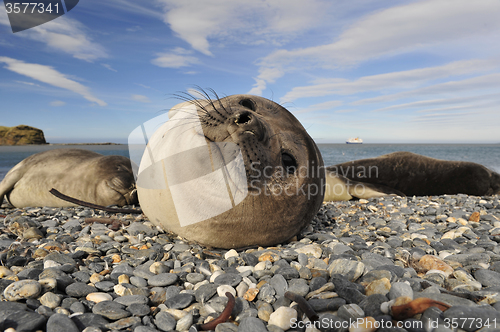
21,135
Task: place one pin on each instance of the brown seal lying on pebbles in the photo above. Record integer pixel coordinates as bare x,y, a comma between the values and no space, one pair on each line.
231,172
82,174
406,173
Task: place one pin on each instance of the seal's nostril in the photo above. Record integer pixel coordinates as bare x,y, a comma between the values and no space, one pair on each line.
242,118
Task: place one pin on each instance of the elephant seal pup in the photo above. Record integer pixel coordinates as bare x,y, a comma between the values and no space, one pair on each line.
409,174
230,173
82,174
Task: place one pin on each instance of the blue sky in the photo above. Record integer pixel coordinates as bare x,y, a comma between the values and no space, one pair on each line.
387,71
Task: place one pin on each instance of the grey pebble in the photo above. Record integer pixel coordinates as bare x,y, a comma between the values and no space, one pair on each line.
226,327
487,277
131,299
231,279
77,307
111,310
321,305
278,282
165,321
79,289
251,324
61,323
162,279
90,319
180,301
399,289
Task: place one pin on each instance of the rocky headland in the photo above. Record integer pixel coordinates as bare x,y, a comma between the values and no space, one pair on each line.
21,135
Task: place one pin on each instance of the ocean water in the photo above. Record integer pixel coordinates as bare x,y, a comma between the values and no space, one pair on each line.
484,154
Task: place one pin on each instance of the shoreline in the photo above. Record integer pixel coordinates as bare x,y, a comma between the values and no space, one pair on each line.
355,260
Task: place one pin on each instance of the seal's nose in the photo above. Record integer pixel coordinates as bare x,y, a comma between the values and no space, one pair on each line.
242,118
246,122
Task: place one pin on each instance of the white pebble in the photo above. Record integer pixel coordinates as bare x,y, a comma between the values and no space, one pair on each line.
215,275
222,289
50,263
119,289
176,313
5,272
242,269
241,289
444,274
249,283
265,265
231,253
201,283
22,289
386,306
184,323
283,317
311,250
48,284
99,297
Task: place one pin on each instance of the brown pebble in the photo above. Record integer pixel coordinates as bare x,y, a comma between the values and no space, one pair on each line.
269,256
475,217
116,258
366,324
430,262
251,294
402,300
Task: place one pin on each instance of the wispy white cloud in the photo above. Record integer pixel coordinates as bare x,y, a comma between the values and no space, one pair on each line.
400,29
134,29
140,98
57,103
105,65
483,82
425,104
134,7
177,58
396,80
240,21
49,75
63,35
28,83
329,105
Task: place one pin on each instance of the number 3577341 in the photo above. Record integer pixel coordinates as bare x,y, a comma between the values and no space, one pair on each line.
31,7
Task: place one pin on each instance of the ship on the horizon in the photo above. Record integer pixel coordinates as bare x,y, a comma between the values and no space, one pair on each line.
356,140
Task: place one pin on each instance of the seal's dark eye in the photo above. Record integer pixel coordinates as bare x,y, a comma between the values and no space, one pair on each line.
248,103
289,163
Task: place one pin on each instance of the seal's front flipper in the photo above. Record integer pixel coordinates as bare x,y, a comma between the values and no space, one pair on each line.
8,183
339,188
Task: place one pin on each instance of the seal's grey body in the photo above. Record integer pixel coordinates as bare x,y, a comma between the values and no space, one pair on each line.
248,174
82,174
406,173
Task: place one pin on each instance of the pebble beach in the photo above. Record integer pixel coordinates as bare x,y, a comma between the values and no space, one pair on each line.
78,269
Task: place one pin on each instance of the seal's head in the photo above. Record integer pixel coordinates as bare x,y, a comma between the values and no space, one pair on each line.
231,172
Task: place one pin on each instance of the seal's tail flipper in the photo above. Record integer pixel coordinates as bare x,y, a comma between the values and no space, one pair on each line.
370,190
339,188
